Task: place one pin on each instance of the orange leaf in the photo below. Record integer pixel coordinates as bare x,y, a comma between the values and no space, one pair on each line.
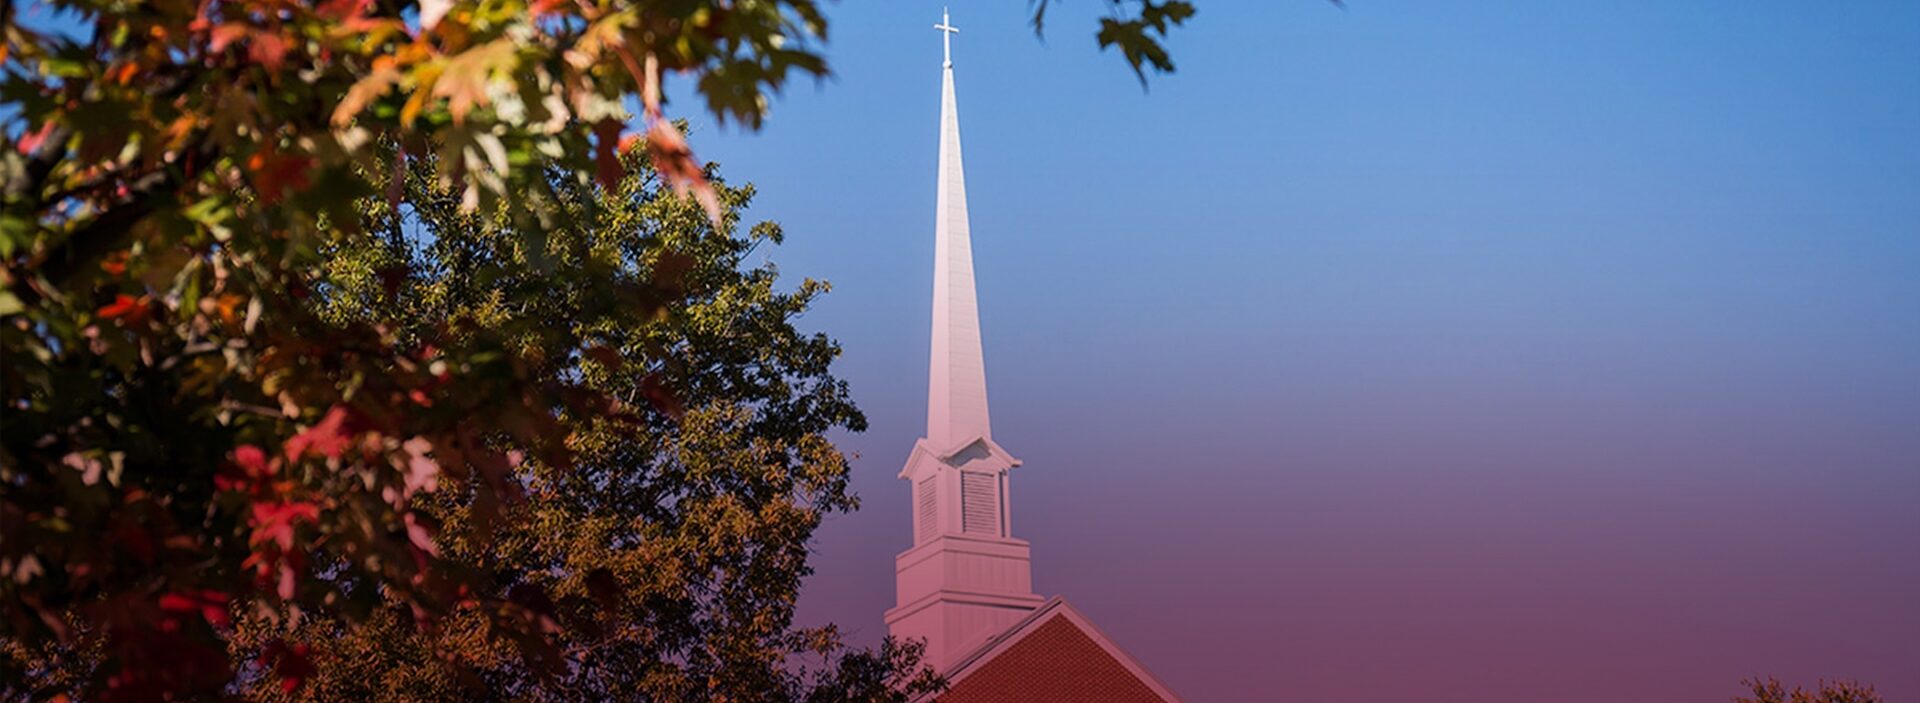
226,34
267,49
674,160
115,264
275,173
126,309
125,72
375,84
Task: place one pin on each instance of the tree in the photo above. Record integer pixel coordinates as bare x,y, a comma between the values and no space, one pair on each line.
660,555
669,552
210,422
1770,690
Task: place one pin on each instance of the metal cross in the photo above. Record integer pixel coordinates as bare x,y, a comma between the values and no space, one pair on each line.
947,30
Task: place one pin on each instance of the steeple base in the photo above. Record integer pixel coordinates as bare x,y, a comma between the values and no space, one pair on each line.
957,591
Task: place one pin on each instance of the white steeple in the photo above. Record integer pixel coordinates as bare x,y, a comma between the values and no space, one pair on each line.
957,378
966,578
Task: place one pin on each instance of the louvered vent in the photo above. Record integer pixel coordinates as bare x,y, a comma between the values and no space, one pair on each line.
926,521
979,503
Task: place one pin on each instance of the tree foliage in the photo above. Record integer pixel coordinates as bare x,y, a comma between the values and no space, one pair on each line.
1770,690
340,333
664,560
656,548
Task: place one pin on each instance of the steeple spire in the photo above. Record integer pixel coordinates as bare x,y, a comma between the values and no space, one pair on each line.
957,382
966,577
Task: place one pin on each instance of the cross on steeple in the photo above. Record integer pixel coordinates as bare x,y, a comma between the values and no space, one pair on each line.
947,30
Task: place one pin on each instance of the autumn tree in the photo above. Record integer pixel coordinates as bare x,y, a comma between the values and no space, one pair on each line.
241,414
1770,690
663,560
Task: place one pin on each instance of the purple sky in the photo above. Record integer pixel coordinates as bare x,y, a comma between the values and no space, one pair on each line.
1476,351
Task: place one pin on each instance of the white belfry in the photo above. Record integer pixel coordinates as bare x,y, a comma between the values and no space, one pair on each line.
966,578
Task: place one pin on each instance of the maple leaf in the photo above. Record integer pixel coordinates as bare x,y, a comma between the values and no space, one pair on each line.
254,469
674,160
606,158
661,397
275,521
267,49
251,459
275,173
209,604
467,77
225,35
330,438
126,310
384,76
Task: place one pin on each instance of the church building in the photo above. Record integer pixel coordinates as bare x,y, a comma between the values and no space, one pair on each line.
965,587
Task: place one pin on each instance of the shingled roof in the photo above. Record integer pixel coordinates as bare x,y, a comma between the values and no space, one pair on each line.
1054,655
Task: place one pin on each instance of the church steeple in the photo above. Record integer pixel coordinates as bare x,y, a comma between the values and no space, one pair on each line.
967,577
957,378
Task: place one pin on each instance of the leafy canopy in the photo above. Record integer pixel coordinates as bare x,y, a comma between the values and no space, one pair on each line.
1770,690
366,325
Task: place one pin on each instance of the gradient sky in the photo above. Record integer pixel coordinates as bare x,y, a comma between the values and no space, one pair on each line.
1421,351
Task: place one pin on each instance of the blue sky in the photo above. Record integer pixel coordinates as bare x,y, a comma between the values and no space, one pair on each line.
1491,351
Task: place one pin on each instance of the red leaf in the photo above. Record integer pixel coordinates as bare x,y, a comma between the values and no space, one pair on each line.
209,604
225,34
267,49
293,663
662,398
252,460
330,438
32,140
674,160
253,470
274,522
606,157
338,10
115,264
126,309
274,173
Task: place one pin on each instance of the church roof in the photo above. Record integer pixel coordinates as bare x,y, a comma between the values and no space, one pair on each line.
1057,655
